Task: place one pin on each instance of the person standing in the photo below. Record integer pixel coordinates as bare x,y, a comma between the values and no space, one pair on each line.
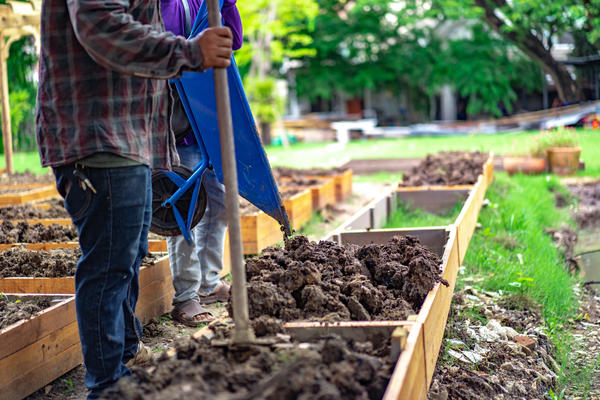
195,268
102,119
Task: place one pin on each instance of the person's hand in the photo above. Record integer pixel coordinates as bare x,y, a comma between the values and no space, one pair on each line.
215,45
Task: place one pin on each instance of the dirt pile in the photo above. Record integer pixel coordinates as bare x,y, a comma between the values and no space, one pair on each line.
588,211
503,353
565,239
326,281
22,262
23,232
279,172
28,211
329,368
13,310
447,168
22,178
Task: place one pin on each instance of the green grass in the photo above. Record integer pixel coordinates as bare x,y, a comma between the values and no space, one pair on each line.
512,225
409,217
514,255
25,161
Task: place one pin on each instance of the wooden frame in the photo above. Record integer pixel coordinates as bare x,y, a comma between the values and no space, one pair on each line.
343,185
467,219
37,192
156,288
154,246
299,208
323,194
36,351
259,231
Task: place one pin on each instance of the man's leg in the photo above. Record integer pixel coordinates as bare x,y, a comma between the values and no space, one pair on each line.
210,234
110,224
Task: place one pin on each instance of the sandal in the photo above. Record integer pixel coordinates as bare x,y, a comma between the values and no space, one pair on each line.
222,294
187,312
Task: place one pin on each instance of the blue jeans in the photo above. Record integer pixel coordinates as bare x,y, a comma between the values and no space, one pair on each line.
113,235
196,268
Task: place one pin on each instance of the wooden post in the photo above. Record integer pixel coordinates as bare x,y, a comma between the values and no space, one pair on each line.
6,131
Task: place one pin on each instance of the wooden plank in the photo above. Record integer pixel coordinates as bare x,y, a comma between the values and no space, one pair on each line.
488,170
36,353
323,194
23,333
467,219
434,312
45,221
154,246
259,231
355,330
299,209
62,285
408,381
28,196
379,213
155,299
44,374
439,201
343,185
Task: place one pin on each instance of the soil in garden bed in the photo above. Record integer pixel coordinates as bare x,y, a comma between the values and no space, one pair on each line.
23,232
22,178
301,173
22,262
326,281
447,169
329,368
27,211
14,309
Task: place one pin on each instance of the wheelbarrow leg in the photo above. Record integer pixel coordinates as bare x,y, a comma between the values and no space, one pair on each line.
243,332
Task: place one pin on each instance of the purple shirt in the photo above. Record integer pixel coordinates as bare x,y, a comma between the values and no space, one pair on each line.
174,17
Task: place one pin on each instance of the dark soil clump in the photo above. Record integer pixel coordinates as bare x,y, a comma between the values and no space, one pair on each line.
446,169
28,211
22,178
329,368
326,281
14,310
23,232
22,262
588,212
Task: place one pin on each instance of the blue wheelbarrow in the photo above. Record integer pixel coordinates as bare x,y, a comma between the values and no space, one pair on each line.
179,198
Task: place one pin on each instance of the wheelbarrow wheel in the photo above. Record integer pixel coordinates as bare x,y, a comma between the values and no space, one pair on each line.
163,218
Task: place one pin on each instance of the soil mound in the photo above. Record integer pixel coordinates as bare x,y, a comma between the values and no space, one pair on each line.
28,211
447,168
326,281
12,310
329,368
23,232
57,263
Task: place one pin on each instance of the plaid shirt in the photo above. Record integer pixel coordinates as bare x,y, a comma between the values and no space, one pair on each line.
94,93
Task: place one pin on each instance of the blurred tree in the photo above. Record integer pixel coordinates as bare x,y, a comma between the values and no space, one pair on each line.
534,27
274,30
22,87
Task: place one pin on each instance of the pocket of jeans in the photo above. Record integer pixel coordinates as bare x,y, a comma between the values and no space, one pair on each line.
77,200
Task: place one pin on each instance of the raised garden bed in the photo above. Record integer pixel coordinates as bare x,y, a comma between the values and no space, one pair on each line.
156,287
40,349
25,193
298,205
331,367
342,177
322,189
455,168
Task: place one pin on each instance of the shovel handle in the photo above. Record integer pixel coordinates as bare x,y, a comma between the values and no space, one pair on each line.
243,331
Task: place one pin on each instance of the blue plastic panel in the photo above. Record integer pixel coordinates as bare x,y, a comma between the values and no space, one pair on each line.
255,180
